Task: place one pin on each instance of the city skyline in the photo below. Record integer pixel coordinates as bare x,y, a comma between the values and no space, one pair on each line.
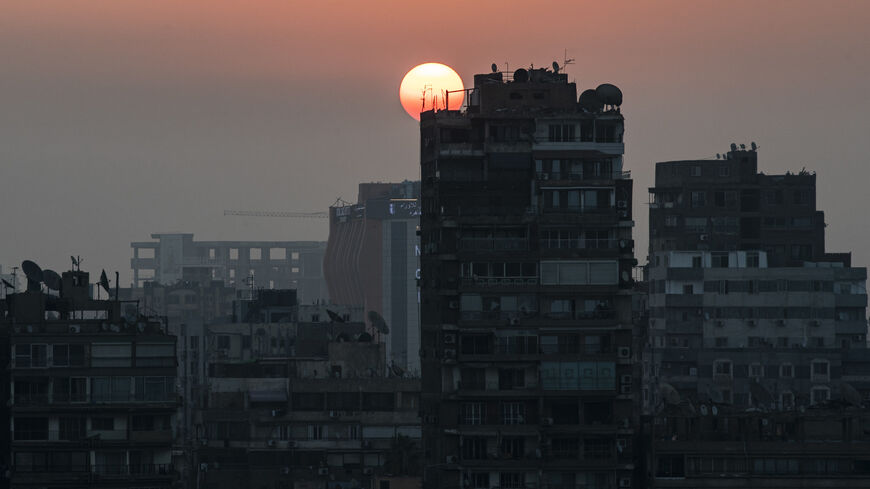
120,113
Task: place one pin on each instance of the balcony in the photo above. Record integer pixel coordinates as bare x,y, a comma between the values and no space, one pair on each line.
140,470
493,244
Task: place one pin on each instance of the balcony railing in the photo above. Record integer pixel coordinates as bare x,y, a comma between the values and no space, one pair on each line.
569,175
133,470
494,244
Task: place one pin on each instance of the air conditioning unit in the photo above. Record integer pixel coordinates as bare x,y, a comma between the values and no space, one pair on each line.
449,339
323,471
75,328
624,482
203,467
625,389
451,459
703,237
623,352
368,471
625,379
547,421
621,204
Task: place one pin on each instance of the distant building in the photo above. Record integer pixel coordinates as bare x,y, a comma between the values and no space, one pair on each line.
756,361
526,289
373,260
92,392
272,264
304,404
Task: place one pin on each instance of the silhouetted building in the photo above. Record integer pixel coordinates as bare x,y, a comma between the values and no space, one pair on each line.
93,391
756,336
272,264
373,260
526,288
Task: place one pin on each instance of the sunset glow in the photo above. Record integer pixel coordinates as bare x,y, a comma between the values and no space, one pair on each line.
426,86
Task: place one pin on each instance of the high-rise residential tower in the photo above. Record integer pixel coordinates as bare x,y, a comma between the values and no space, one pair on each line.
526,287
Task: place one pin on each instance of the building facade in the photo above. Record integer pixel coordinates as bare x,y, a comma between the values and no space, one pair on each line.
270,264
93,394
756,361
373,260
526,288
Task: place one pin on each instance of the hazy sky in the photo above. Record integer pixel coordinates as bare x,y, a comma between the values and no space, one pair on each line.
123,118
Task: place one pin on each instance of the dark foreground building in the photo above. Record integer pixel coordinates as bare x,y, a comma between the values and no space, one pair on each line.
526,288
756,368
93,393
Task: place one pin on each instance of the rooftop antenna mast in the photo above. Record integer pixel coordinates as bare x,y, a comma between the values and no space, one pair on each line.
567,61
15,279
426,88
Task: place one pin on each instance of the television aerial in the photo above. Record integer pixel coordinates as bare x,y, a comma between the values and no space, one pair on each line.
76,263
33,273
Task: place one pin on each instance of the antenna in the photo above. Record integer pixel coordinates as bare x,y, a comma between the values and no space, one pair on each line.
566,60
76,263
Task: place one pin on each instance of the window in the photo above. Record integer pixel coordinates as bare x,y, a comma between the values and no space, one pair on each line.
786,370
472,413
511,480
103,424
699,199
696,224
111,354
724,171
756,370
511,378
223,341
71,428
722,342
696,262
786,400
696,171
820,370
671,221
719,259
69,389
512,447
752,259
474,448
31,356
513,413
30,428
234,253
688,289
316,432
722,367
820,394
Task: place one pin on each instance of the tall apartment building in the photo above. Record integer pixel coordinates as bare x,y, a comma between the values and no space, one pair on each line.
373,260
757,337
526,287
272,264
92,392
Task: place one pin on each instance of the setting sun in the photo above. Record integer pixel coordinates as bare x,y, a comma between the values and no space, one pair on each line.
426,86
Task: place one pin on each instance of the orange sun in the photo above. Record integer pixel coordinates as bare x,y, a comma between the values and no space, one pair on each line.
426,86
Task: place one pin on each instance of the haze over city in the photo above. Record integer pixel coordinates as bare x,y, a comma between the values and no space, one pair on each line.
121,119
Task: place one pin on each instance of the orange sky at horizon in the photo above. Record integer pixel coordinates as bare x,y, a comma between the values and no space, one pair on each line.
296,103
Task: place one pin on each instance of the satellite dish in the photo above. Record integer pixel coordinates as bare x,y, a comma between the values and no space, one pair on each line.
718,156
33,273
494,68
590,101
397,370
733,147
760,394
753,145
378,322
742,147
334,316
609,94
703,409
104,282
850,394
52,279
555,67
669,394
7,284
521,75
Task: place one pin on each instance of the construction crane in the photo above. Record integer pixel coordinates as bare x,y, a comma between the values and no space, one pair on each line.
294,215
